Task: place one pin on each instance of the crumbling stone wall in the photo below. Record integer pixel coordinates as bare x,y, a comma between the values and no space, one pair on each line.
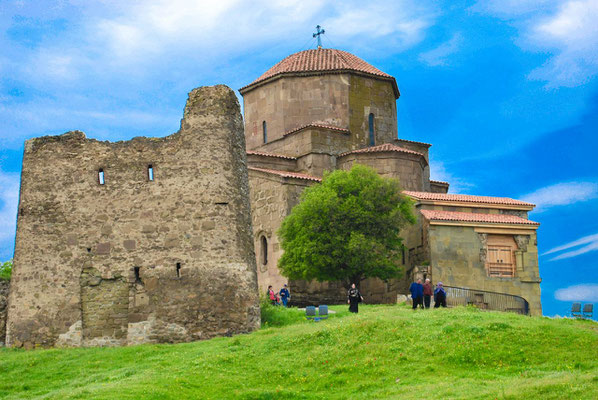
135,259
4,287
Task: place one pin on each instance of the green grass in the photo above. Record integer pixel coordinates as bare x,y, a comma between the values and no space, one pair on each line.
383,352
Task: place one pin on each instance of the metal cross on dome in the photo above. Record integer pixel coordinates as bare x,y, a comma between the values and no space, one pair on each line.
317,34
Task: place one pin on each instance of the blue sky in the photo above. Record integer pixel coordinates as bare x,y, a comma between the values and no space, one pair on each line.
505,90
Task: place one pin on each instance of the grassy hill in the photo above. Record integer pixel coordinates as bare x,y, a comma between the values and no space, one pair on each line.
383,352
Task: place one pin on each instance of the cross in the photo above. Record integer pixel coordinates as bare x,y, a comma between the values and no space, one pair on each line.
318,33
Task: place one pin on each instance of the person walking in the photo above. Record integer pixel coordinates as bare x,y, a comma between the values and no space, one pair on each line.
427,293
439,296
284,295
354,298
272,296
417,293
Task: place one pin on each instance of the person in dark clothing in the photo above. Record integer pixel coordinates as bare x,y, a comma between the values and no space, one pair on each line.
439,296
354,298
417,293
284,295
427,293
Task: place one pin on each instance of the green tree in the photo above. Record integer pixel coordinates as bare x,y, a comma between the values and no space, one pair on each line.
5,270
346,228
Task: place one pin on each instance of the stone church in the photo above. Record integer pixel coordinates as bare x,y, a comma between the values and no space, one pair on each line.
140,241
325,109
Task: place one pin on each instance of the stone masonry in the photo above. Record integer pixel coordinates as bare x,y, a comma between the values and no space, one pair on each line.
326,109
142,241
4,287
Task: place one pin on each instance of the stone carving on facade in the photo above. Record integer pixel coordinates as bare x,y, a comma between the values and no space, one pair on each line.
522,242
484,250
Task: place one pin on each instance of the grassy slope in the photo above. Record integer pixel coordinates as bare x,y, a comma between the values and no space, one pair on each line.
383,352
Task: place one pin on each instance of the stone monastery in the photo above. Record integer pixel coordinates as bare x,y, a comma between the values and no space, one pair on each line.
171,239
327,109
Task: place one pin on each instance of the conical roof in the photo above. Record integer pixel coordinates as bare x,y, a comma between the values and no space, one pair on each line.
318,62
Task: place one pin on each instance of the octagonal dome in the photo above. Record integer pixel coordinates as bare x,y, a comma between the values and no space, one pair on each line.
319,62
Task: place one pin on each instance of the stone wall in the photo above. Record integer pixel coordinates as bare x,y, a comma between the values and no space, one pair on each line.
367,95
290,102
407,168
456,260
135,260
4,288
340,100
272,198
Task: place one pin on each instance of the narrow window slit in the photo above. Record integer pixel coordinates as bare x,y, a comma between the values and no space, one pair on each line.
264,248
137,275
101,176
265,131
150,172
178,270
223,203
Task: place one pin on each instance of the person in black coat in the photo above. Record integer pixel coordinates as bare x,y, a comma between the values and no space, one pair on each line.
354,298
439,296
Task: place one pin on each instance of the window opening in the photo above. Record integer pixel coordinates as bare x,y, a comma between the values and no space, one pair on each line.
101,176
178,270
500,260
264,243
137,275
265,131
150,172
371,129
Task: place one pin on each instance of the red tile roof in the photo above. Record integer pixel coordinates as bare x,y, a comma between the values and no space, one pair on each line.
413,141
440,182
466,198
321,61
382,148
259,153
317,125
286,174
475,217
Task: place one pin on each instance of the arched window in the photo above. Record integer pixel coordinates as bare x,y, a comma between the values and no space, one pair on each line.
265,131
101,176
264,250
371,126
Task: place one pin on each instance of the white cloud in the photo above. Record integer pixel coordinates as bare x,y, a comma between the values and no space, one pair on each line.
566,30
403,19
439,172
561,194
199,29
9,198
573,32
584,292
439,56
588,243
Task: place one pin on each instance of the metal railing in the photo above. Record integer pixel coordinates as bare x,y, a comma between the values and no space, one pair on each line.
457,296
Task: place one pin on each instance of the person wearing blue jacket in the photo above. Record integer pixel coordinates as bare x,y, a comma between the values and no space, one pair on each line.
417,293
284,295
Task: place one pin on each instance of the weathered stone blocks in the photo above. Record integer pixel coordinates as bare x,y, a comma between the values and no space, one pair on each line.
135,260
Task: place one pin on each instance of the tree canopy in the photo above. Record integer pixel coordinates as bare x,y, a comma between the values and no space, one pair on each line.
346,228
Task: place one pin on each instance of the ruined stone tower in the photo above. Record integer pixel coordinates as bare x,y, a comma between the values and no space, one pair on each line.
147,240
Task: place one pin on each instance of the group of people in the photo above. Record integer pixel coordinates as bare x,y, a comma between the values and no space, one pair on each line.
422,294
281,298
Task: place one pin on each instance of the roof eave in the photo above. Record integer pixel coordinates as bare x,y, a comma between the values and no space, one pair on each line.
255,85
